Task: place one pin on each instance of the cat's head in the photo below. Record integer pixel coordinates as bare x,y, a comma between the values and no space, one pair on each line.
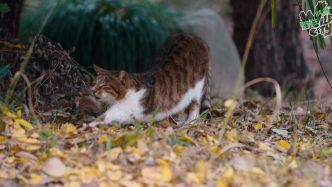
110,86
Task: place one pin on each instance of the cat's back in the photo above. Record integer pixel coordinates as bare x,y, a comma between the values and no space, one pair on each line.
181,50
182,64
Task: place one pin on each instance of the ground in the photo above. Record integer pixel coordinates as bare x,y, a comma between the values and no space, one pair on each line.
253,151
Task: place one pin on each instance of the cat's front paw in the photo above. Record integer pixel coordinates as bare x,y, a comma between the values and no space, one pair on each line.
93,124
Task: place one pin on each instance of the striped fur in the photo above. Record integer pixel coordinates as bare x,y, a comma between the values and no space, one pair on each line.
178,79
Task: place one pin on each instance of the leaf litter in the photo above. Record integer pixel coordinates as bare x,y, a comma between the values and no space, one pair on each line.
256,150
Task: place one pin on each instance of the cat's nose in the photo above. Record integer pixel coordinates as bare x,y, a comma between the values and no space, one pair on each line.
93,91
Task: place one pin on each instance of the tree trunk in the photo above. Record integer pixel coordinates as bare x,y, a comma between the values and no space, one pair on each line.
275,54
10,21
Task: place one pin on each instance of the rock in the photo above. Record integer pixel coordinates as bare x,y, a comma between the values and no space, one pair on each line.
225,59
90,104
54,167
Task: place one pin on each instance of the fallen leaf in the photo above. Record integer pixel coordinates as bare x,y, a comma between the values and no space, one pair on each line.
283,143
71,129
258,126
232,135
24,154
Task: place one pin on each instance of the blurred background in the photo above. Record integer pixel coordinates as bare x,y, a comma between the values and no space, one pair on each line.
125,35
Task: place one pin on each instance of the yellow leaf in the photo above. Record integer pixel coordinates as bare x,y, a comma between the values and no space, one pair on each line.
89,78
19,113
229,173
166,174
221,183
192,178
264,147
258,126
111,129
293,164
185,138
55,152
163,172
283,143
200,167
115,175
35,179
328,151
20,121
71,129
178,148
232,135
102,139
230,104
162,163
2,139
11,159
257,171
17,45
18,132
115,152
102,127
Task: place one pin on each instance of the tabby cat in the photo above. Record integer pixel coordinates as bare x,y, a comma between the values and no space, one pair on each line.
178,79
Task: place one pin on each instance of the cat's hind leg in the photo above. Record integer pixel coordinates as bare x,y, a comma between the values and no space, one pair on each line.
183,117
194,108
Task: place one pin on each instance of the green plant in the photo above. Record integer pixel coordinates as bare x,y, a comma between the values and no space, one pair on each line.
48,135
110,33
4,70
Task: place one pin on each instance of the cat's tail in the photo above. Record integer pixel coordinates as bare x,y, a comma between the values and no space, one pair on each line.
205,101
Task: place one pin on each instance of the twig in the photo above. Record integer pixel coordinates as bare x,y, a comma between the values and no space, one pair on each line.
316,50
32,83
32,111
276,86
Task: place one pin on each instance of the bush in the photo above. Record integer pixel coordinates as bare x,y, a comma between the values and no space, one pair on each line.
109,33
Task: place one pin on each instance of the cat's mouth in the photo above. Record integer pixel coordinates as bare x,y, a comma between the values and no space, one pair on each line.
96,97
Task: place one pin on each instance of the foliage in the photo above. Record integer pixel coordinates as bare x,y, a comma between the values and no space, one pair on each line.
4,70
4,8
48,135
111,33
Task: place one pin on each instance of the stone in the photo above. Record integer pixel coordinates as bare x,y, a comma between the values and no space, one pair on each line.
225,60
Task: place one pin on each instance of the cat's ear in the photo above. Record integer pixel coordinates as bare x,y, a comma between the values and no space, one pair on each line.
123,77
98,69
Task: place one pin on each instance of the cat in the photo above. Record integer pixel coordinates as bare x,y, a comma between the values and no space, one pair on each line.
178,79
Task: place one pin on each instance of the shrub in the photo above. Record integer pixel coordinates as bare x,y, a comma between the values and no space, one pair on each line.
114,34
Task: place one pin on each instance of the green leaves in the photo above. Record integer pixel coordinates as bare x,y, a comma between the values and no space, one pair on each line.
114,34
274,13
4,70
4,7
310,5
49,135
